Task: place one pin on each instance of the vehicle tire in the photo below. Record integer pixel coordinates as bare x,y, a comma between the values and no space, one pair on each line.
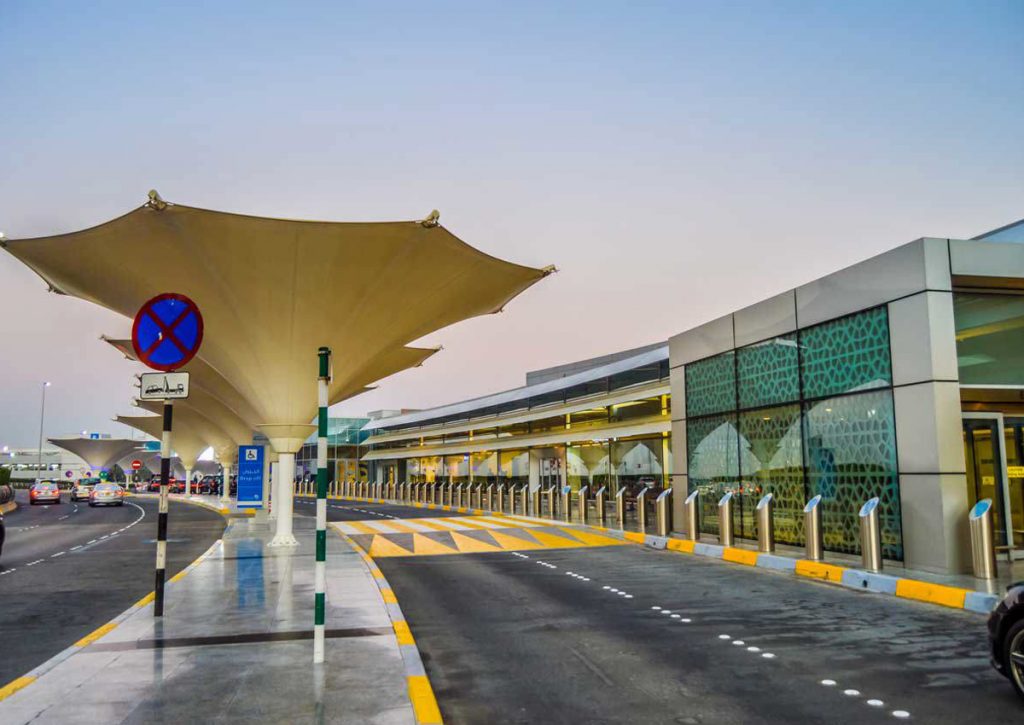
1013,644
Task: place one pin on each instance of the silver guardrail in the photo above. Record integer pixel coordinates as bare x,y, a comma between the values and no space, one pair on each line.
725,534
663,512
983,550
766,524
814,542
870,536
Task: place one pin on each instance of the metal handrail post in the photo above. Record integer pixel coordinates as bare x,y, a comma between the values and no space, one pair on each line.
812,530
725,537
490,497
691,511
524,502
870,536
766,524
566,503
620,507
983,551
641,510
582,503
535,502
599,506
663,512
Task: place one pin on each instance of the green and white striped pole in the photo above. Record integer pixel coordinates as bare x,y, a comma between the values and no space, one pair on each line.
320,573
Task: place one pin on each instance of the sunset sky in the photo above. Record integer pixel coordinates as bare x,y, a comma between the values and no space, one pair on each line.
675,160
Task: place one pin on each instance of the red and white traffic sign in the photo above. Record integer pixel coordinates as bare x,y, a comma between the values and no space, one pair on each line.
136,464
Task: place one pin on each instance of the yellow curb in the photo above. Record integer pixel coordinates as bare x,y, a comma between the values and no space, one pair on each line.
146,600
14,685
403,633
95,634
424,704
817,570
931,593
740,556
177,576
682,545
389,596
633,536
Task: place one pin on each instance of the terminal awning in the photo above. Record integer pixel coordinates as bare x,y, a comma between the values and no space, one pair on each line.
272,290
185,443
99,453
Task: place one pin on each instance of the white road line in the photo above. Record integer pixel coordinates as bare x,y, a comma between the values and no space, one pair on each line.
76,548
59,553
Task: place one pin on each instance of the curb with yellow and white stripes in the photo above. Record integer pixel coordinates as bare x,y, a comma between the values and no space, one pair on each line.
858,579
849,577
421,693
28,678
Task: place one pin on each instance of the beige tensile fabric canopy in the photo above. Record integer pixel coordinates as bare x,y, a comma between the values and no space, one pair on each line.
272,291
186,443
196,423
99,453
210,391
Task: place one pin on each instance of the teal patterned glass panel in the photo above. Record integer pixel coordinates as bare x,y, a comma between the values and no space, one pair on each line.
768,373
771,461
846,355
711,385
712,463
850,453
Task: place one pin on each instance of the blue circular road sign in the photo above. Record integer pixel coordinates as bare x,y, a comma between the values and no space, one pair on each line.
168,331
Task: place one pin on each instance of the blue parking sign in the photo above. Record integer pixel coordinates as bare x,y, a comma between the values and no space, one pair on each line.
250,477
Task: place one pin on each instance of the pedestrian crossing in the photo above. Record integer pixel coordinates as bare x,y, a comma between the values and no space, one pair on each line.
465,535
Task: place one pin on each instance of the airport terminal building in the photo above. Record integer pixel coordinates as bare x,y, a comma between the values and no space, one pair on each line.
900,377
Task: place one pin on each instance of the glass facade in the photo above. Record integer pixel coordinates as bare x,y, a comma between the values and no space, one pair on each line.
798,415
989,338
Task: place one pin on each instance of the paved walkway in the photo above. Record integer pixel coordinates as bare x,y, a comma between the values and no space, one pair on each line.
234,646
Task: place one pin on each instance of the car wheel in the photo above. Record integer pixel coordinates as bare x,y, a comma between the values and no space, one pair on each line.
1013,656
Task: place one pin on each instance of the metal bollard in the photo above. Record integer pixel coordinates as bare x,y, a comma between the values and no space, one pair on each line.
812,530
620,507
524,503
870,536
566,503
663,512
983,552
641,510
490,497
501,498
511,499
582,503
535,502
725,537
599,504
766,524
691,512
549,496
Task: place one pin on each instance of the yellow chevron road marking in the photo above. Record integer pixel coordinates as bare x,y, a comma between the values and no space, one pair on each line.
469,545
383,546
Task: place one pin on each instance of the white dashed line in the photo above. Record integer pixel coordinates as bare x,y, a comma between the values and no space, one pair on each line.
59,553
901,714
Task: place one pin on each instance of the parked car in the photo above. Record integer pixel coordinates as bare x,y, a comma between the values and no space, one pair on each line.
1006,636
106,494
210,484
44,492
83,486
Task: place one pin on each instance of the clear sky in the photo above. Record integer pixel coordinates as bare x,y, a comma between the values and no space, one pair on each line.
676,160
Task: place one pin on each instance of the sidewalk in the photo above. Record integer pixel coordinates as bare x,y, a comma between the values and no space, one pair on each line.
234,645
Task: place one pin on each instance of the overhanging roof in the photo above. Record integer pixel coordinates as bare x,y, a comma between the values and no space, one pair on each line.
522,394
185,443
97,452
272,290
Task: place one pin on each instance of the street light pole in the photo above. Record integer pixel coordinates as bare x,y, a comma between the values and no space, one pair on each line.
42,415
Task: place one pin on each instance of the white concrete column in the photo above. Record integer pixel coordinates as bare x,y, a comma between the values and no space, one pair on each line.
286,489
225,489
275,495
188,481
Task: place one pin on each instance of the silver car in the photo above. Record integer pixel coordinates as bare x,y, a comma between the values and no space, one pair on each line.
106,494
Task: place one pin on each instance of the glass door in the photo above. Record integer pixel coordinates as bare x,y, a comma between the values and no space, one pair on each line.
985,453
1013,447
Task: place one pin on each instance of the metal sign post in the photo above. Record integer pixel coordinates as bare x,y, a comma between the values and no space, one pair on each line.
166,335
320,573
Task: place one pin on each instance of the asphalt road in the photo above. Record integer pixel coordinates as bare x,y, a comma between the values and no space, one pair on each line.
576,636
67,569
